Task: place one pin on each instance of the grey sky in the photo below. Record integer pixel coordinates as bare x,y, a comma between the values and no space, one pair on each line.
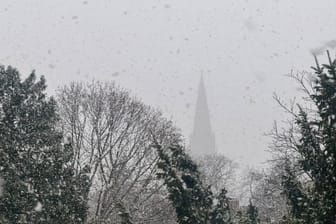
158,49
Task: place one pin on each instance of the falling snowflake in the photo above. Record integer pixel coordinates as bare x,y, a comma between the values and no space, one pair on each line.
38,207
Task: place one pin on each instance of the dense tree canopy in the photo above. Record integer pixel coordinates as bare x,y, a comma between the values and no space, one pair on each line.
130,165
112,131
193,201
310,181
39,183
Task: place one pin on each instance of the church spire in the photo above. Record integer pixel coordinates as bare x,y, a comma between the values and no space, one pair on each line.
202,139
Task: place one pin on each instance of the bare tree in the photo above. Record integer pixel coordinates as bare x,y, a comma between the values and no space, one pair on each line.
264,189
112,133
217,171
285,136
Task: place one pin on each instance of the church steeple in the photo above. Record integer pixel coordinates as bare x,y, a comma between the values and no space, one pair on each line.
202,139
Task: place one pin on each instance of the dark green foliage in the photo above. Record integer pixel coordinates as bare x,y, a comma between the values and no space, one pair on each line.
297,198
40,185
317,149
252,214
192,201
248,216
286,220
221,212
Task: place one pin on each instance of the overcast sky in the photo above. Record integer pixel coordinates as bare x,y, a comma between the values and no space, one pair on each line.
159,48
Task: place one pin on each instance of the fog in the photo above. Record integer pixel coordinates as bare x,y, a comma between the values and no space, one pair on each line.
159,49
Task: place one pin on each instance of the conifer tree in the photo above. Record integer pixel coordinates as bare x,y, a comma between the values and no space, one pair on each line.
317,151
297,198
221,212
193,202
248,216
252,214
40,186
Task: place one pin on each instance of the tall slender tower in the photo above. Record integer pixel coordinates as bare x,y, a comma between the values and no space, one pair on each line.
202,140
